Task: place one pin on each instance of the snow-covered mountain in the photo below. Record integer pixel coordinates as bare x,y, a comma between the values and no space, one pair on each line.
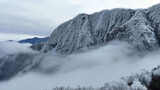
140,28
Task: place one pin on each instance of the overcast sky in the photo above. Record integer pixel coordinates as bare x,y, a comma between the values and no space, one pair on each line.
39,16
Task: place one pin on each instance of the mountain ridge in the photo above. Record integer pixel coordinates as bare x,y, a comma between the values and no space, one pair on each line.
134,26
35,40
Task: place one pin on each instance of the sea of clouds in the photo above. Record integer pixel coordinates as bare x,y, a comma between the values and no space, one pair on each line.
91,68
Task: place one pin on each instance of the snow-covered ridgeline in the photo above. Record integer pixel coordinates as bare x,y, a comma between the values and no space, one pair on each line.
139,28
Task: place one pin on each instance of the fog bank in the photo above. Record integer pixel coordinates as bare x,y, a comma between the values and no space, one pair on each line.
92,68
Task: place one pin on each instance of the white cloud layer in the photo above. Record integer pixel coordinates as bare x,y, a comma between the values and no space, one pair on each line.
93,68
7,48
16,37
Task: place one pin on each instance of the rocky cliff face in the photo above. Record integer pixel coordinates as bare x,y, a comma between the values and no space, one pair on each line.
140,28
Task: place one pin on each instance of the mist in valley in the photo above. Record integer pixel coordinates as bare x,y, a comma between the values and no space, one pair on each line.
92,68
